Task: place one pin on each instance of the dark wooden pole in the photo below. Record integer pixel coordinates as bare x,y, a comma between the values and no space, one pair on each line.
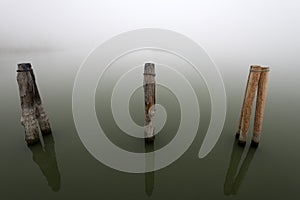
149,92
33,112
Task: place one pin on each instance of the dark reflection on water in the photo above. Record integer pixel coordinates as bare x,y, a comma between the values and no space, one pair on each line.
235,176
45,157
149,176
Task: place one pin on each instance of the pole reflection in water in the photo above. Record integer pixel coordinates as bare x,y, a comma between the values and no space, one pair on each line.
149,176
235,176
45,157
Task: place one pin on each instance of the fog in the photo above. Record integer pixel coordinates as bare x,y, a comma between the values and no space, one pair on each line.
223,27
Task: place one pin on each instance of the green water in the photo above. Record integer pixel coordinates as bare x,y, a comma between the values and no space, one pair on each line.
64,169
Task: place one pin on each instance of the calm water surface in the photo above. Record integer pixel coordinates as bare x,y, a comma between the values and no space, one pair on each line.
62,168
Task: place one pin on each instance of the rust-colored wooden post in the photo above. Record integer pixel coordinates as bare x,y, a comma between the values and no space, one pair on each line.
260,105
257,82
242,109
149,92
248,102
31,104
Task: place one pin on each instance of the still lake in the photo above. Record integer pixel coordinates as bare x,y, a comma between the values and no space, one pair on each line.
64,169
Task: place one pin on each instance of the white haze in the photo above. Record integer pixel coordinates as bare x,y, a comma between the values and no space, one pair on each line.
229,25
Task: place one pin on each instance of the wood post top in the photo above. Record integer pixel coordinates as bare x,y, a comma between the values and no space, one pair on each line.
24,67
149,69
258,68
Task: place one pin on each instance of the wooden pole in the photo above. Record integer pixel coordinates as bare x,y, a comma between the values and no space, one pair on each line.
241,116
41,116
26,90
31,104
248,102
260,105
149,93
257,81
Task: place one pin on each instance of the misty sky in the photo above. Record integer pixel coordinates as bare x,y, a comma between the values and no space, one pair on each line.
220,25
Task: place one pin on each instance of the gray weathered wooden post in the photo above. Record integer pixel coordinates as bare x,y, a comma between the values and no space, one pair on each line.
149,92
31,104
